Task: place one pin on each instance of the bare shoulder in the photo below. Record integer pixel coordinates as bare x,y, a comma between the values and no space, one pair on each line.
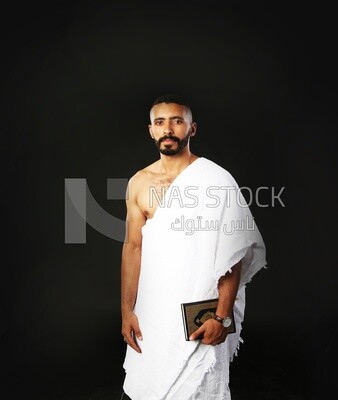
142,178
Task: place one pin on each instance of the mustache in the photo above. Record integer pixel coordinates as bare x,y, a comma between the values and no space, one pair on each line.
173,138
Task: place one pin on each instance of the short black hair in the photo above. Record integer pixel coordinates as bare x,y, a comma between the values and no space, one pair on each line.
172,98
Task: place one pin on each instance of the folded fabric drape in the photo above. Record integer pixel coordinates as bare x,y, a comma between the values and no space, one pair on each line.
201,228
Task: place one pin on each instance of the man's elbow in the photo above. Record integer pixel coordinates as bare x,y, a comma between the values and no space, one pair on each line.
234,271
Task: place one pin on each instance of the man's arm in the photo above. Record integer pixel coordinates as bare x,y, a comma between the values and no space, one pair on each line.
130,269
213,331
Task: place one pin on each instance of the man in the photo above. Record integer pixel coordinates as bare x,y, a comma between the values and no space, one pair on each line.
190,237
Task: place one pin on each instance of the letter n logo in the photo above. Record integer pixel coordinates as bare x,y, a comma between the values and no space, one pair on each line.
81,208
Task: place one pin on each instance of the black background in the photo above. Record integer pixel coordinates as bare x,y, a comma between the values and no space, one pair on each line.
78,78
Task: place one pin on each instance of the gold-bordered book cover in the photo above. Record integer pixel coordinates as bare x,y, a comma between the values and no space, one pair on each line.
196,313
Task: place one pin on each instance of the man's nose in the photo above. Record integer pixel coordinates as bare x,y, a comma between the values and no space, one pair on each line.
168,130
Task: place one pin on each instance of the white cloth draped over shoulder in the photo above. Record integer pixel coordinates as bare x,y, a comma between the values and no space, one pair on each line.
201,229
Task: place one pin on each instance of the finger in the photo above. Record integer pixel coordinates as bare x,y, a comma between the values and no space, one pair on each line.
218,340
212,337
138,333
134,345
208,340
129,339
197,333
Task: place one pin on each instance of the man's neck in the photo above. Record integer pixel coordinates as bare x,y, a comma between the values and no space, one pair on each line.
173,165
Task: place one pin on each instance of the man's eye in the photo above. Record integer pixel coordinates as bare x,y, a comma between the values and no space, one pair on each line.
158,123
178,121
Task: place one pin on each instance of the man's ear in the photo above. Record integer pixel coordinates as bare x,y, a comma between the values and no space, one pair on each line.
193,129
150,131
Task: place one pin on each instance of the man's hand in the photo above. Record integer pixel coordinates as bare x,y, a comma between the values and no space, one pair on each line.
131,331
212,331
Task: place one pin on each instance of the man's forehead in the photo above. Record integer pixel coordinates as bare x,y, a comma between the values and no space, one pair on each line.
165,110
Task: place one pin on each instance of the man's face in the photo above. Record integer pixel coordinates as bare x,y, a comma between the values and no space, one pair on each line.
171,127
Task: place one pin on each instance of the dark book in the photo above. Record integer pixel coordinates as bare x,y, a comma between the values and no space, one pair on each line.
196,313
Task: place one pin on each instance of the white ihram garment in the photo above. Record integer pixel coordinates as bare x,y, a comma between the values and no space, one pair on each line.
201,229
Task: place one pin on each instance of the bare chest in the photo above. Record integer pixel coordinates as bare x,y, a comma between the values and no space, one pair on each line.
152,194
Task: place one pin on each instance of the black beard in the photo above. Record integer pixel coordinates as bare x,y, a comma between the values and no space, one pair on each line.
168,151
